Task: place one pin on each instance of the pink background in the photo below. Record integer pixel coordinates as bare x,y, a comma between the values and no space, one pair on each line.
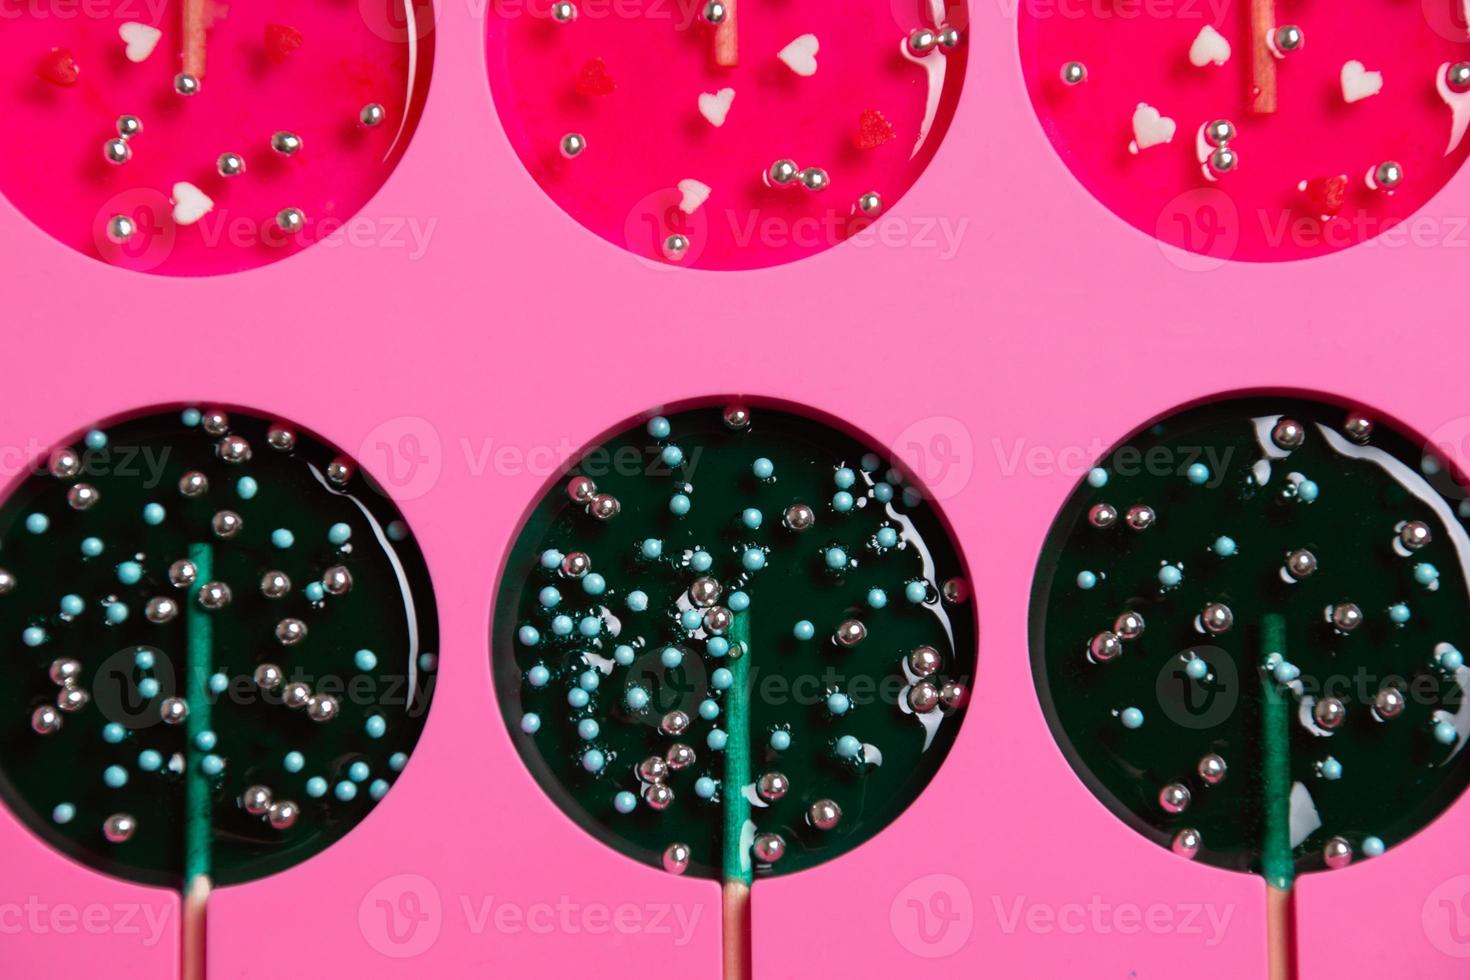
1054,329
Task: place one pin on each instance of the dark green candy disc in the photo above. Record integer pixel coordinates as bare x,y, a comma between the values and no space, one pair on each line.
1302,592
709,739
96,616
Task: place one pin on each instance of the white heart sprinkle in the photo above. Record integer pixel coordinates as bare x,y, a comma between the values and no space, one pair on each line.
716,106
1210,47
801,55
695,193
190,203
1150,128
1358,83
140,40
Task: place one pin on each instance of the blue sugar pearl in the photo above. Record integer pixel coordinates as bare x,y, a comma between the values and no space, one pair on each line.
671,657
64,813
652,548
844,478
211,765
1306,491
562,625
593,760
691,619
751,518
528,635
358,772
538,675
763,468
37,523
701,561
314,592
1086,580
721,679
882,492
911,497
112,733
143,660
1399,613
339,533
709,710
1198,474
679,504
848,747
716,740
753,560
1286,672
625,802
717,646
1331,769
205,741
870,462
33,636
397,761
551,558
589,680
916,592
637,600
1170,576
530,723
1373,847
594,584
294,762
72,605
1097,478
1196,668
218,683
1425,573
590,626
129,572
623,655
549,597
1223,546
153,514
190,417
877,598
1452,659
117,612
316,787
781,740
116,777
804,630
149,761
704,787
96,439
636,698
378,789
247,488
836,558
738,602
842,501
672,455
887,537
578,698
91,547
375,726
1131,718
659,427
148,688
838,703
345,791
282,538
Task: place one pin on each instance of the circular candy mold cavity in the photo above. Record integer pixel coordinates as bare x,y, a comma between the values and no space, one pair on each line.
1256,130
221,643
1245,633
720,135
195,138
733,640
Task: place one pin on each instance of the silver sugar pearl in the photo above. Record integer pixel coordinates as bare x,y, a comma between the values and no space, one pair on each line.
161,609
129,126
1074,73
283,814
948,37
173,711
1217,618
340,471
1359,427
116,151
286,143
674,723
296,695
214,422
768,848
658,796
850,632
573,145
715,12
1347,617
1338,853
772,786
736,416
64,670
799,517
704,591
291,221
675,247
1224,161
45,720
1457,77
1289,38
1301,563
576,564
1102,516
72,699
226,524
1140,517
82,496
290,631
870,203
1212,769
214,595
676,858
182,573
783,172
1129,625
653,769
1218,132
371,115
1388,175
924,661
121,229
1389,702
230,165
119,828
581,489
718,619
952,694
922,40
824,814
924,697
281,438
1415,535
1105,646
322,707
1288,434
563,12
186,84
7,581
679,756
193,484
955,591
604,507
256,800
268,677
1174,798
64,464
233,449
815,179
337,580
1186,843
274,584
1329,713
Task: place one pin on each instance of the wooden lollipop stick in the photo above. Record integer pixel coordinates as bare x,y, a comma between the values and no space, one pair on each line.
194,37
198,818
1280,930
727,40
737,930
1263,62
196,902
736,855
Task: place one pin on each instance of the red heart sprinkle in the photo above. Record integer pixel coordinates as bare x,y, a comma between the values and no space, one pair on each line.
873,130
595,80
59,68
1327,194
280,41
